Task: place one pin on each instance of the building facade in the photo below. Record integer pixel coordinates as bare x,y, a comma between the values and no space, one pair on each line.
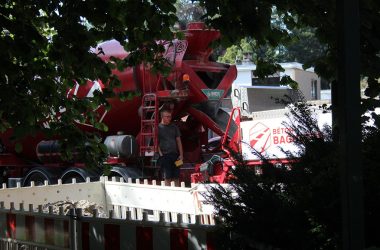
253,94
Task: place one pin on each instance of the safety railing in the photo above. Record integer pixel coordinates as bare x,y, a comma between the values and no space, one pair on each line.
20,229
31,229
115,195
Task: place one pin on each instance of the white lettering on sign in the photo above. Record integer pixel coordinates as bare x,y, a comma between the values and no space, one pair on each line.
213,94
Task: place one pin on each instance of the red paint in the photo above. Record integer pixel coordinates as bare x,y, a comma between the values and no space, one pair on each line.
229,77
66,234
189,58
49,231
210,241
11,226
144,238
260,133
179,239
85,236
111,237
29,228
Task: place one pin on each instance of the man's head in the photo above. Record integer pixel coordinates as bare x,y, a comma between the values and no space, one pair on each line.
166,116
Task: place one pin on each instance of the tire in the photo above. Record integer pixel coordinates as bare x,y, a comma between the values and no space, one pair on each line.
125,173
41,174
69,179
79,174
39,179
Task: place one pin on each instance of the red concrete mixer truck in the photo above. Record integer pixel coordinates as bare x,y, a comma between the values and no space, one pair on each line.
193,91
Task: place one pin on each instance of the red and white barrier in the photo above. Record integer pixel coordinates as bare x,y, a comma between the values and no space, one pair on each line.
35,228
59,231
107,234
116,195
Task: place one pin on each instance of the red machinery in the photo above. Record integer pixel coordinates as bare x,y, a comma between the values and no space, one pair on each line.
132,124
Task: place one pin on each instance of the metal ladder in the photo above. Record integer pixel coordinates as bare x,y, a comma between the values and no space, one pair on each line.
149,125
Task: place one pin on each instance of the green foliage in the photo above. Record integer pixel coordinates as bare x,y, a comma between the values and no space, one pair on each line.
188,11
45,50
297,206
248,46
254,19
45,46
256,214
264,68
232,55
286,80
303,47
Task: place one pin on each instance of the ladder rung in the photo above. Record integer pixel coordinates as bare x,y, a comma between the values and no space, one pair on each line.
149,107
148,121
147,134
148,125
151,101
147,149
149,98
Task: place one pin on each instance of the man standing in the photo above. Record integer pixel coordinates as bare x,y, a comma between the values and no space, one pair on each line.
169,147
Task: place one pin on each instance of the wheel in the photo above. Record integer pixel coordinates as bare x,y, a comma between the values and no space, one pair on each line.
117,176
69,179
39,179
79,174
41,174
125,173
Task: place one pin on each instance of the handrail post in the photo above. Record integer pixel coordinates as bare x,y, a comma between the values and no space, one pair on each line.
73,230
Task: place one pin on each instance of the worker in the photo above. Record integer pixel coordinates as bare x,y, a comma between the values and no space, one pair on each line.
169,148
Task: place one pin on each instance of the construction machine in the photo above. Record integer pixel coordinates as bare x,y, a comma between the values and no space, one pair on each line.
193,90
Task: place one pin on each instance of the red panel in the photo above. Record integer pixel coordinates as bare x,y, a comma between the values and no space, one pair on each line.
199,39
85,236
11,226
83,90
29,228
228,79
11,160
111,237
205,120
66,234
178,239
195,86
49,231
210,241
144,238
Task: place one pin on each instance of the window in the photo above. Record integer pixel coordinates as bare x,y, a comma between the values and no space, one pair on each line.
314,89
273,80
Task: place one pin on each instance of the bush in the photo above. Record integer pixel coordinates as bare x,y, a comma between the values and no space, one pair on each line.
297,206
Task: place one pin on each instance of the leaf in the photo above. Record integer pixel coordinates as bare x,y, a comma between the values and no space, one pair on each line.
103,148
18,147
286,80
264,68
101,126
